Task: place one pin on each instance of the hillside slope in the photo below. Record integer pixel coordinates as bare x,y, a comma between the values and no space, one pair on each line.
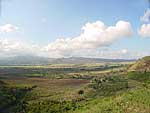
141,65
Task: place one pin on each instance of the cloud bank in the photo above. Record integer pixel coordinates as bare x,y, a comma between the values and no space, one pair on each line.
94,35
15,48
8,28
94,41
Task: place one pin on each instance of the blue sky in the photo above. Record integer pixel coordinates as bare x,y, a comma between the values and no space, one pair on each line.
43,21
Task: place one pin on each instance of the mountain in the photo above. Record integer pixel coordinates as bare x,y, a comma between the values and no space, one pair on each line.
82,60
24,60
35,60
141,65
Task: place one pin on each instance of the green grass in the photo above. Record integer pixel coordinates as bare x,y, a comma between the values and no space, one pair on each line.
133,101
139,76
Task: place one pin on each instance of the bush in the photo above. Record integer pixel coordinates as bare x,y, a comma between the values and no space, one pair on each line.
139,76
109,84
52,106
81,92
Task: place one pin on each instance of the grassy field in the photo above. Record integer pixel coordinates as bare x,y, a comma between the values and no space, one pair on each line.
85,88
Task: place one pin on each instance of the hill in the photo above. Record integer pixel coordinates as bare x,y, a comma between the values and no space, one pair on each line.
141,65
35,60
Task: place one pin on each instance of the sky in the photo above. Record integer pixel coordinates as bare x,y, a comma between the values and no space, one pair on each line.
75,28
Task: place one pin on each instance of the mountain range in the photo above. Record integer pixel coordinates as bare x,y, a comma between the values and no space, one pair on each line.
35,60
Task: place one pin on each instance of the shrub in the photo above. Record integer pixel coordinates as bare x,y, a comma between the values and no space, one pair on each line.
81,92
109,84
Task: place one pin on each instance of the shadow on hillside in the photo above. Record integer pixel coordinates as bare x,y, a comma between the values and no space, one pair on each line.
13,98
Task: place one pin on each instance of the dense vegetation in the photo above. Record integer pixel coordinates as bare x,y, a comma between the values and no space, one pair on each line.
108,85
13,98
98,88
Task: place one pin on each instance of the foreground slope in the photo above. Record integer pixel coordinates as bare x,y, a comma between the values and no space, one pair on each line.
134,100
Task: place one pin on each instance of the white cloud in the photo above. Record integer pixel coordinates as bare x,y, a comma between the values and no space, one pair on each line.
110,53
124,51
8,28
146,16
92,42
144,31
6,45
123,54
94,35
14,48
